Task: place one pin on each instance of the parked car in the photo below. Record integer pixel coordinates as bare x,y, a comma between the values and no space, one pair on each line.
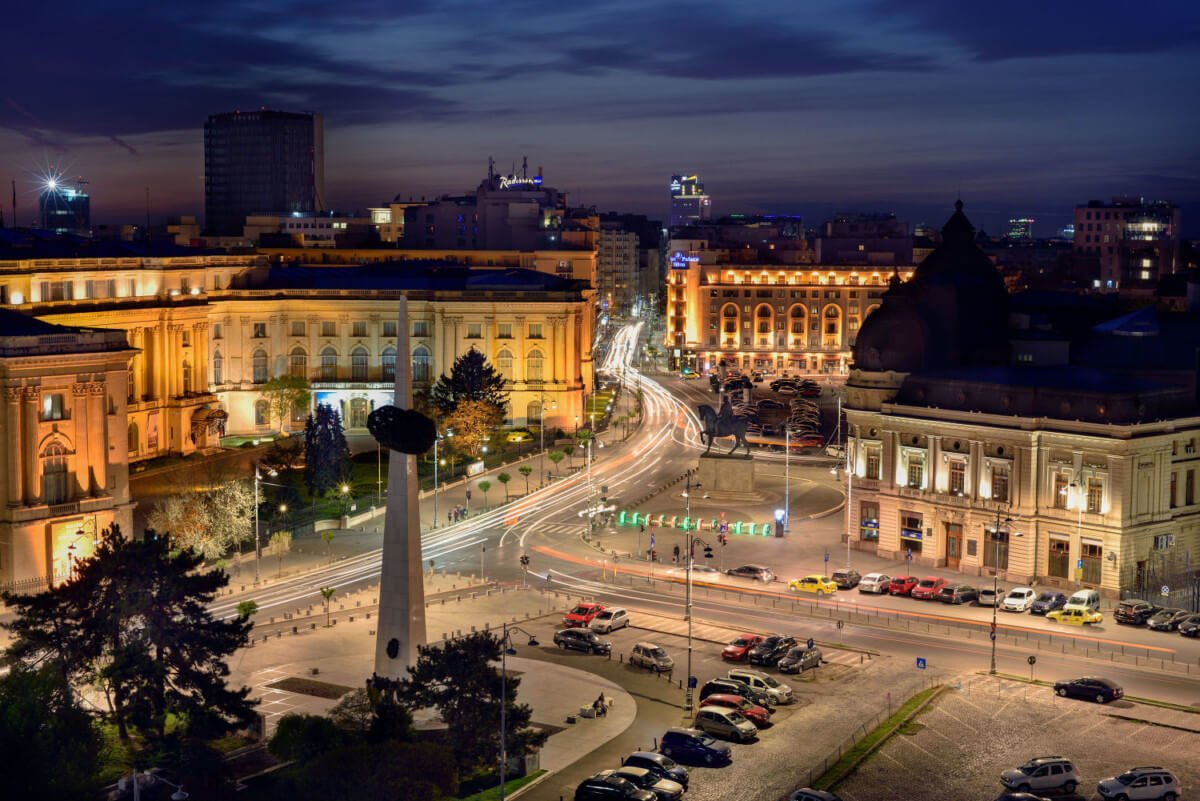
958,594
1167,619
810,441
990,596
756,572
1190,626
800,659
739,648
688,375
877,583
775,690
1042,773
768,403
1074,617
610,620
771,650
846,579
652,657
928,588
758,715
583,614
783,382
809,794
735,687
608,787
1138,783
1084,599
1019,599
902,585
818,585
1048,601
662,766
693,745
1134,613
584,640
726,723
810,392
1020,797
663,789
1092,688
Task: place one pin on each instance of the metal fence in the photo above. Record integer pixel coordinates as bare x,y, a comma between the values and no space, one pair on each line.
1168,578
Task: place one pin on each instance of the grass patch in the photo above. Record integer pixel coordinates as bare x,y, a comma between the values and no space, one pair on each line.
874,739
912,727
1131,698
493,793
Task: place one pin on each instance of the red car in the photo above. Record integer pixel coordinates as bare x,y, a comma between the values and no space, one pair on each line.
582,615
928,588
759,716
740,647
902,585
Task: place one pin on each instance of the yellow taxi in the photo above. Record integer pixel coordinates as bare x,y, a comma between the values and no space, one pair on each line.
689,375
814,584
1075,617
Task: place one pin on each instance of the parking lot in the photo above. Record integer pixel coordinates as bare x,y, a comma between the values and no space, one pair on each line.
961,744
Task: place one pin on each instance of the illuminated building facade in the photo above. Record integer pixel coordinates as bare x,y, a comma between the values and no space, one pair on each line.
966,408
261,162
787,317
689,203
63,475
1020,229
1130,242
65,209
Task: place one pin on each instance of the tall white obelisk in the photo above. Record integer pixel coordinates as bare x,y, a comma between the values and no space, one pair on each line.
401,583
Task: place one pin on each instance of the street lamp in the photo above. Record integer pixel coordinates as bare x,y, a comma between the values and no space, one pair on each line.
345,498
258,539
849,496
150,778
687,496
437,461
996,581
542,437
506,648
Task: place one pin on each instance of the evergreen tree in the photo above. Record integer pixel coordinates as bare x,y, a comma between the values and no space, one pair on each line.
326,454
460,680
472,378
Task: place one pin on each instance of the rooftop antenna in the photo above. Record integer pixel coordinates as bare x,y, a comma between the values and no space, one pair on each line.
525,167
491,167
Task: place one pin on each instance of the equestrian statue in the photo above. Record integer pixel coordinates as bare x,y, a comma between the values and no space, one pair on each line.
722,424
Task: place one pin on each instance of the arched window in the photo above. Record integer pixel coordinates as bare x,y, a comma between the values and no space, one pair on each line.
870,309
329,365
420,366
298,363
131,384
763,313
358,364
533,366
504,364
54,474
260,366
187,378
797,315
533,413
135,442
729,315
388,361
358,412
833,320
218,367
262,413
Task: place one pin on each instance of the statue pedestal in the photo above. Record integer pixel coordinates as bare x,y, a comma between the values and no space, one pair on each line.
720,473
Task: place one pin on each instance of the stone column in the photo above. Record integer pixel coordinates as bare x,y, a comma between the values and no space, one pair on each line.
200,357
556,349
81,414
18,456
401,583
519,371
97,436
573,358
33,484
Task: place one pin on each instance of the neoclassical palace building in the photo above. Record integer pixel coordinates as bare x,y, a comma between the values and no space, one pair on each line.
1041,438
201,333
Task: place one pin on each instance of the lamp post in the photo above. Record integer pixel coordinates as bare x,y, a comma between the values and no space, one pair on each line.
542,438
345,498
787,476
379,476
506,648
150,778
687,496
996,581
436,462
257,538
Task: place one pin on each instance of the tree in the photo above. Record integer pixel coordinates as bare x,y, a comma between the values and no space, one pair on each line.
555,457
473,423
327,593
211,521
137,613
247,609
286,396
525,470
461,682
326,454
472,378
284,454
484,486
50,743
304,737
372,714
569,452
281,543
411,771
327,538
504,478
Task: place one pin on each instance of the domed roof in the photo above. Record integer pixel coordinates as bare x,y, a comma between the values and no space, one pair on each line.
952,313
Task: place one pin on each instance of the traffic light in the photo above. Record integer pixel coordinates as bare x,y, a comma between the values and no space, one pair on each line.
524,560
721,538
708,552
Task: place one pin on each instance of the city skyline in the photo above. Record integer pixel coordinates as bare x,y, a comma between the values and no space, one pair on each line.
1018,110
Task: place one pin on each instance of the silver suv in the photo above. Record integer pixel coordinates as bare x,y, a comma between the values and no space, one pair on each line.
1138,783
1042,773
651,656
776,690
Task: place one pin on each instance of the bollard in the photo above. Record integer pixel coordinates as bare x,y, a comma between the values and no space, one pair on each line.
352,618
295,629
312,626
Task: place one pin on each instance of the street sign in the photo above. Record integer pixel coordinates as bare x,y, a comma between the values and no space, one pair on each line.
992,634
692,682
810,642
652,541
920,663
827,557
1079,564
841,624
909,557
1032,660
1165,590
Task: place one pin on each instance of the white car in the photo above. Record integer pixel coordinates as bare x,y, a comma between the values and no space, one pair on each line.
609,620
877,583
1019,599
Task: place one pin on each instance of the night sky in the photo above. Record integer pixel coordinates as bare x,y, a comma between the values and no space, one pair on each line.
800,107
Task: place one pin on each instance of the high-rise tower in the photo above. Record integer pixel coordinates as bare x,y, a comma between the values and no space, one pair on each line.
688,201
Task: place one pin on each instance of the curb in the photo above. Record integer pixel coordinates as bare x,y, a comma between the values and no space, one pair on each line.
1131,698
521,790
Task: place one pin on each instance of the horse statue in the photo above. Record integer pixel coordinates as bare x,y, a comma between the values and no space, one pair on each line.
710,429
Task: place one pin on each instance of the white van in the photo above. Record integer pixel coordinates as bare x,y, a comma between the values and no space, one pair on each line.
1087,600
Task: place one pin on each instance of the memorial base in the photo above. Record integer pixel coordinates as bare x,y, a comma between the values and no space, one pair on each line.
726,473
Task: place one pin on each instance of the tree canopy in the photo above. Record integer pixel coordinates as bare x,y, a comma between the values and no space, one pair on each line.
286,395
472,378
326,453
209,522
473,423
